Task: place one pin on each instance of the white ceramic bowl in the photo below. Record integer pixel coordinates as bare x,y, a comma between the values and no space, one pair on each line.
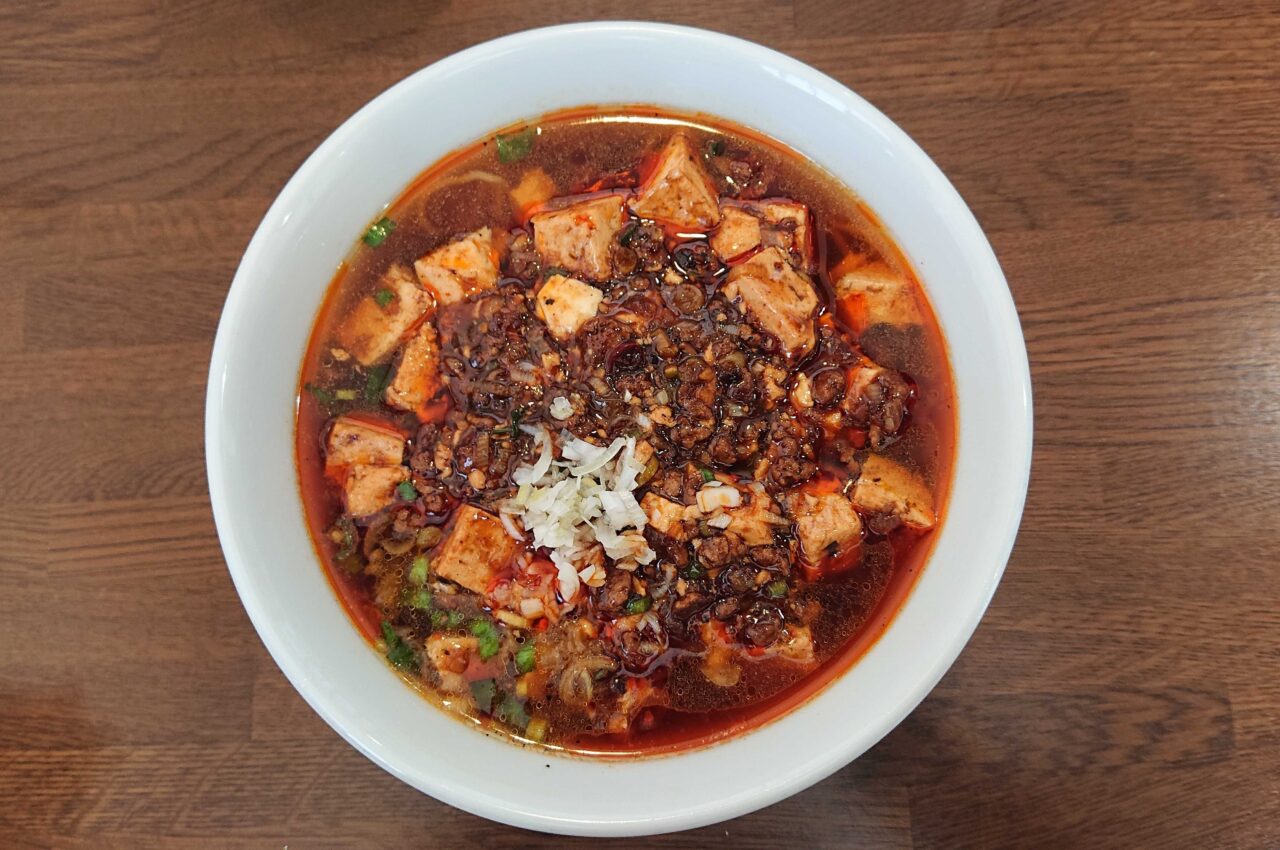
363,166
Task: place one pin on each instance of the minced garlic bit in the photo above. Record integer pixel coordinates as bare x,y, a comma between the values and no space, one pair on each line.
561,408
581,501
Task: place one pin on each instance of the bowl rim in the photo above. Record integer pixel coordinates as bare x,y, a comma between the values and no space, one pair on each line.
717,808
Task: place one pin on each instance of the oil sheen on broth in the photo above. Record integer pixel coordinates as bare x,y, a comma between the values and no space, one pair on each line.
624,431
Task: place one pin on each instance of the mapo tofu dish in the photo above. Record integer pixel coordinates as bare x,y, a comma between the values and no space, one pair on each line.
624,431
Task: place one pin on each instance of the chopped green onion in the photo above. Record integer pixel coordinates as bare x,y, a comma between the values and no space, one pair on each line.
483,693
551,271
694,570
526,658
406,492
321,394
378,232
399,653
455,619
490,640
514,428
776,589
511,712
707,475
376,382
383,297
628,234
638,604
418,572
513,147
347,538
421,599
715,147
345,395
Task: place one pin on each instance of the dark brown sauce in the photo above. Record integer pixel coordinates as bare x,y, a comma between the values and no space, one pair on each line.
858,604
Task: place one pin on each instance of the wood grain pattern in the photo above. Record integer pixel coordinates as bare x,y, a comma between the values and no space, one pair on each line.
1124,688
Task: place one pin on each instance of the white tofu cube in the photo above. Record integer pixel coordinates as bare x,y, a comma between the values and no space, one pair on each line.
462,268
756,522
887,486
476,551
450,655
679,192
564,303
738,233
417,378
723,659
639,694
786,227
369,489
356,441
580,237
665,516
776,298
876,294
373,329
826,523
796,645
720,663
534,189
778,223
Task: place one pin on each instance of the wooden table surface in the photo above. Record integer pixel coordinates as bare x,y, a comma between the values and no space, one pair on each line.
1124,158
